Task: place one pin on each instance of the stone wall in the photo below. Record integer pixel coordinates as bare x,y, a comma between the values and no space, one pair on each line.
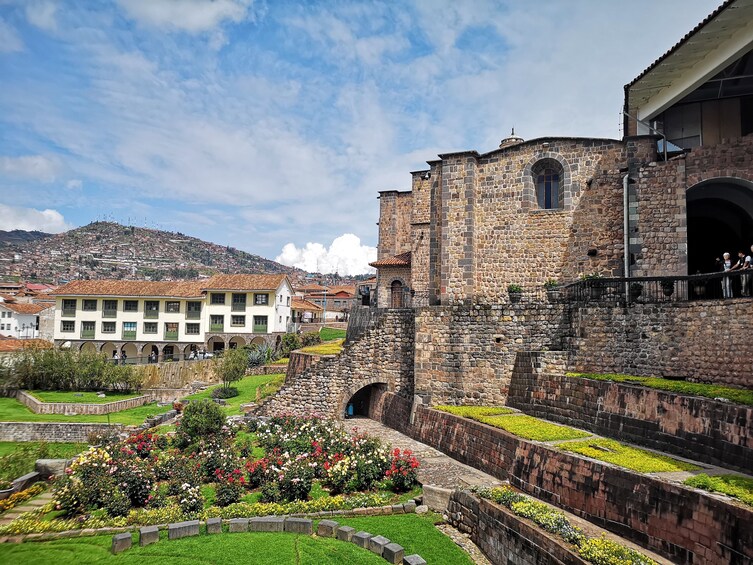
383,355
299,362
73,408
177,374
683,524
715,432
52,431
395,209
386,277
466,354
504,537
701,340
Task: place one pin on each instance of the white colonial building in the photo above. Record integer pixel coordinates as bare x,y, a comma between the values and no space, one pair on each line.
19,320
168,320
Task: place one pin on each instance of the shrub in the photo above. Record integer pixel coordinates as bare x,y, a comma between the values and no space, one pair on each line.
513,288
190,499
602,551
403,471
224,392
289,342
231,366
16,463
310,338
230,487
116,503
202,419
134,477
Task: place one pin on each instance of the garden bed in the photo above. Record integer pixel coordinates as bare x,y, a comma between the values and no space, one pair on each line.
329,348
632,458
79,397
735,486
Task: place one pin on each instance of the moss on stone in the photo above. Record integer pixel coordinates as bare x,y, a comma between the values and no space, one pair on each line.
731,485
626,456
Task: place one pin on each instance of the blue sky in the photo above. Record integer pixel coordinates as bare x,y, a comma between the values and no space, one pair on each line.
271,125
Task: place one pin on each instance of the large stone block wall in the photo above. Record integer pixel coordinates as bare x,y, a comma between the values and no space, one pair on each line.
505,538
683,524
702,429
466,354
701,340
178,374
52,431
384,285
395,209
72,408
383,355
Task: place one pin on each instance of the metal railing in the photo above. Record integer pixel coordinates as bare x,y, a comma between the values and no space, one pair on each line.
650,290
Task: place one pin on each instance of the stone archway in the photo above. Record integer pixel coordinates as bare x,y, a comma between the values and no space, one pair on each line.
720,218
365,398
397,294
88,347
215,343
131,352
236,342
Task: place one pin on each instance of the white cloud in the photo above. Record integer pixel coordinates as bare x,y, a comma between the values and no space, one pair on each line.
193,16
15,218
9,40
74,184
42,15
33,167
346,256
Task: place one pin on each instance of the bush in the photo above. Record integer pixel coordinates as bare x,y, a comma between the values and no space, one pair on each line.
310,338
403,471
190,499
260,355
289,342
116,503
230,487
224,392
202,419
135,479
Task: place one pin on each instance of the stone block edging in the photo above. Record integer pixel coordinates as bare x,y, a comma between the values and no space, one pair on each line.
64,432
77,409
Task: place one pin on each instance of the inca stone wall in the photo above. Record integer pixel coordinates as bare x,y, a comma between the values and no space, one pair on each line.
387,275
383,355
395,209
466,354
53,431
702,429
702,340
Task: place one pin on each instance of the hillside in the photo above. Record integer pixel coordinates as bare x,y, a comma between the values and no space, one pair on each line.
15,237
110,250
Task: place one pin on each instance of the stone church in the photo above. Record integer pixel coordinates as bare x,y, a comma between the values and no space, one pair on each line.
667,199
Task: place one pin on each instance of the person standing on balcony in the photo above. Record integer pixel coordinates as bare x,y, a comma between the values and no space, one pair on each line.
726,264
748,268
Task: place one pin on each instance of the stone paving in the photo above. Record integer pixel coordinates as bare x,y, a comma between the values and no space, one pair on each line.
436,469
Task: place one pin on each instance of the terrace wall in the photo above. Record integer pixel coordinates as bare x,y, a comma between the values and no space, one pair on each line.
703,429
73,408
52,431
682,524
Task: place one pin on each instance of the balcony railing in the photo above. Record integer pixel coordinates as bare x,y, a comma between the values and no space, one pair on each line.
260,329
109,313
216,327
87,334
69,312
192,315
151,314
238,307
129,334
171,335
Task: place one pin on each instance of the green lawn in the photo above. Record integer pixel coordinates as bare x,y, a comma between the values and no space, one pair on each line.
54,450
633,458
415,533
85,398
473,412
731,485
328,334
738,395
13,411
330,348
532,428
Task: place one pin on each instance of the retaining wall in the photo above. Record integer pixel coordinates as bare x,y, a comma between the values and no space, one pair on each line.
682,524
504,537
177,374
73,408
52,431
703,429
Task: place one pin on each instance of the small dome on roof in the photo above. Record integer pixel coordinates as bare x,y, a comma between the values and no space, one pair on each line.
512,140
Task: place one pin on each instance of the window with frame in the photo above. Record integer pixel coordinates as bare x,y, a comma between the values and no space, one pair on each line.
89,305
288,301
216,323
261,299
171,330
88,329
69,306
238,321
239,300
218,298
193,309
67,326
129,327
108,327
172,306
547,176
130,306
260,323
150,327
110,305
192,329
151,306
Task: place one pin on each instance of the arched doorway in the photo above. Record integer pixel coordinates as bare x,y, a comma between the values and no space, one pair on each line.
215,344
131,353
236,342
88,347
396,294
365,402
720,218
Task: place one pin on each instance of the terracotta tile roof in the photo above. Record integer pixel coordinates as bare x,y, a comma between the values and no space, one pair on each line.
178,289
350,289
311,287
10,345
25,308
244,282
402,260
302,304
8,298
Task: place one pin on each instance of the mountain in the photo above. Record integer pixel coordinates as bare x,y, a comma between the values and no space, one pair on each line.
109,250
20,236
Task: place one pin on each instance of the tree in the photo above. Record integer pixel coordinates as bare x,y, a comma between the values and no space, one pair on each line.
231,366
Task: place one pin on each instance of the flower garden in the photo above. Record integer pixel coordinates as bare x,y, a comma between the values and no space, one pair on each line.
208,468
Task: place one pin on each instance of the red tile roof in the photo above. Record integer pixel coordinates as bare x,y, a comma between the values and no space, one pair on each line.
26,308
402,260
305,305
244,282
11,345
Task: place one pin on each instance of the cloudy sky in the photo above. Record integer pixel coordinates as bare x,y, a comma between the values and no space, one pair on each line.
271,125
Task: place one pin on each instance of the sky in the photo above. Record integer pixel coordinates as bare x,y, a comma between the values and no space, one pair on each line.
270,126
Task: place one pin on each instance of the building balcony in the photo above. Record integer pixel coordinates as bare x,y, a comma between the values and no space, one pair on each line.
239,307
109,313
69,312
129,334
193,315
87,334
171,335
216,327
151,314
258,329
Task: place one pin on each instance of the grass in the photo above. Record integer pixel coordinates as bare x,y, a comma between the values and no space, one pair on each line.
625,456
330,348
328,334
54,450
416,534
532,428
740,396
474,412
85,398
731,485
281,361
13,411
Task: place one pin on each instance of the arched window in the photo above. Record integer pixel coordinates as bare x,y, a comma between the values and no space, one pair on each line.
547,176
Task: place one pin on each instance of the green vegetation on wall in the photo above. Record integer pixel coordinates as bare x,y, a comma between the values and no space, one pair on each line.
731,485
625,456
